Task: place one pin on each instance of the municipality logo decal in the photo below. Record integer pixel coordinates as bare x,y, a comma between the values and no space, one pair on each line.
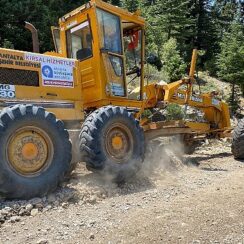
47,71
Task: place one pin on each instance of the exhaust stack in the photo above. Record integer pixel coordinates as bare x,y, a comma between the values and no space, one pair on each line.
34,33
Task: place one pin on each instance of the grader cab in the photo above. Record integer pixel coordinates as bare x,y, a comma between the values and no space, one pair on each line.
109,45
87,87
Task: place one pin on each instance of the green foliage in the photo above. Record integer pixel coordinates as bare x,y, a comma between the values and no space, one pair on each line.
174,112
168,19
210,66
131,5
231,61
205,31
215,26
7,44
231,58
234,100
43,14
146,113
153,75
174,66
221,15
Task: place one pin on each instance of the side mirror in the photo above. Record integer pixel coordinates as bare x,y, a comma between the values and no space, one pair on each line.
155,61
83,53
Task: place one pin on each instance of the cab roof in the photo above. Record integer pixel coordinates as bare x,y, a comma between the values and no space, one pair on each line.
123,14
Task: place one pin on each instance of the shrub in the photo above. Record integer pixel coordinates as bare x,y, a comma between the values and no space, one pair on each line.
174,112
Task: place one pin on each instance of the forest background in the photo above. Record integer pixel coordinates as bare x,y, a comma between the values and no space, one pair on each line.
174,28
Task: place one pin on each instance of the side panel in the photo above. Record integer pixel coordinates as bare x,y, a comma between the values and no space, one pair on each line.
47,81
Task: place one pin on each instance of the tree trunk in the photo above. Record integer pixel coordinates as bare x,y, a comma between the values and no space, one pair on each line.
233,98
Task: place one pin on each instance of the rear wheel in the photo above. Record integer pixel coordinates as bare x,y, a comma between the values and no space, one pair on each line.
35,152
238,141
112,141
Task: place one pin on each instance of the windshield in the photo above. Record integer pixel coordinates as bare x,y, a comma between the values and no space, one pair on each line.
109,31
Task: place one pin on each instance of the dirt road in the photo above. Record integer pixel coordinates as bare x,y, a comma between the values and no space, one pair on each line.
191,199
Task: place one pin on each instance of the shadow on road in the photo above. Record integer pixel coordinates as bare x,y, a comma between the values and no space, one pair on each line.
213,169
196,160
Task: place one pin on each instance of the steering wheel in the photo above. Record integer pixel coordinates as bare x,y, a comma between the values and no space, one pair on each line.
134,70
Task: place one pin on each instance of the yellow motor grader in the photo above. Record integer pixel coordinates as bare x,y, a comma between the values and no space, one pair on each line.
84,87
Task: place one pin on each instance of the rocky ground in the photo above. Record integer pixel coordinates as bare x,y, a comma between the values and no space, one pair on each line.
174,199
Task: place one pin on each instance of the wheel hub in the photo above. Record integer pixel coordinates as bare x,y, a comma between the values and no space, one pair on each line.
29,151
119,143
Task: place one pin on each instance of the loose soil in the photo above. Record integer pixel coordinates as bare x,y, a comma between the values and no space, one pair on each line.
174,199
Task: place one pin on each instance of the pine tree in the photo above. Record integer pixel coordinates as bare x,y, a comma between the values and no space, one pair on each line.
169,19
221,14
131,5
224,12
231,58
206,37
42,14
172,16
174,66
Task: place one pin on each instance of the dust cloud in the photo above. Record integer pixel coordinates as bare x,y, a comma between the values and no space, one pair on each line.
163,156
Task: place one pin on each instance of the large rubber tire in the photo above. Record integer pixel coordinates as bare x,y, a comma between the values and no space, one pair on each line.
238,141
93,141
14,184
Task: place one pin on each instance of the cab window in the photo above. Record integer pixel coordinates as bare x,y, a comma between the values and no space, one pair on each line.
79,41
109,31
132,45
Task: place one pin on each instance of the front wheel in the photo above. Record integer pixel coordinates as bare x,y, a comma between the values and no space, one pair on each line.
112,141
